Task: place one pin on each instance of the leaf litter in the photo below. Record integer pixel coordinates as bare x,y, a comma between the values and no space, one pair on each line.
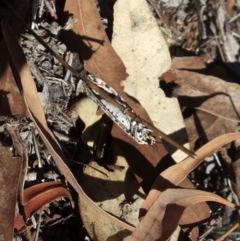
54,135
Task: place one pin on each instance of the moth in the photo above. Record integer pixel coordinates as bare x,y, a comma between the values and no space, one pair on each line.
139,132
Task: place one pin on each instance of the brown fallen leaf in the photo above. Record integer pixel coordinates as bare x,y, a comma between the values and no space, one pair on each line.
10,97
216,101
166,212
35,111
38,196
206,93
189,63
9,179
203,127
91,42
175,174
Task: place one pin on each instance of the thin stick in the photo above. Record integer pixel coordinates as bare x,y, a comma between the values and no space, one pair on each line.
229,231
99,90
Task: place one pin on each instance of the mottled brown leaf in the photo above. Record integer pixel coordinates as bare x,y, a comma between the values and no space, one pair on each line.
203,127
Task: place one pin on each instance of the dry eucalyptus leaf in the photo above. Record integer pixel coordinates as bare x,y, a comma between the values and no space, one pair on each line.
217,103
188,63
175,174
202,127
206,93
146,56
90,40
166,212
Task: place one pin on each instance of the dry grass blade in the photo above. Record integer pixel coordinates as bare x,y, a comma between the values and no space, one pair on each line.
37,115
166,212
175,174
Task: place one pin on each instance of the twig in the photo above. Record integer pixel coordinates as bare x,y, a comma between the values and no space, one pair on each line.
86,165
99,90
36,148
38,225
229,231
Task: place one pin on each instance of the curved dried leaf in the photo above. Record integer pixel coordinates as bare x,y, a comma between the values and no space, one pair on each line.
38,196
175,174
37,115
165,214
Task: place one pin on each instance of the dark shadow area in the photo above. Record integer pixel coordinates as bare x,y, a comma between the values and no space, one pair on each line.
180,136
170,221
68,37
106,11
234,69
170,89
99,189
5,108
4,57
142,167
177,51
200,130
120,234
194,102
